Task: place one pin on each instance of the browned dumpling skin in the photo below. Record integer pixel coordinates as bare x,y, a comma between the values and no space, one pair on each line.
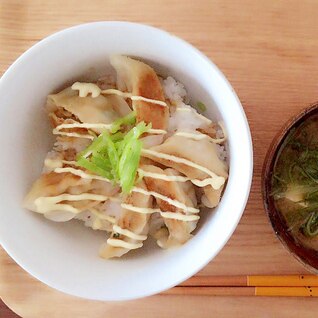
53,184
101,109
132,221
179,231
201,152
141,80
211,196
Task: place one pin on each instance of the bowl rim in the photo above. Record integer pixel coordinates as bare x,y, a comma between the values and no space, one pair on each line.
249,155
277,222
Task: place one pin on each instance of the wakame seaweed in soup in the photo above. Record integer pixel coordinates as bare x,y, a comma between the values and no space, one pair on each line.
295,182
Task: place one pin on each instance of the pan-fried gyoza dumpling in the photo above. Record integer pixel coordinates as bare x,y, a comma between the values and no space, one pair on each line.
211,197
132,227
69,147
44,195
141,80
100,109
201,152
67,107
179,231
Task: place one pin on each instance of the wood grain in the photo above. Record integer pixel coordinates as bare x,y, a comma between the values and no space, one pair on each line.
31,299
244,291
255,280
268,51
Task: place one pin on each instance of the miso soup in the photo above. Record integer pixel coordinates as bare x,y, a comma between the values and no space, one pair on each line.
295,182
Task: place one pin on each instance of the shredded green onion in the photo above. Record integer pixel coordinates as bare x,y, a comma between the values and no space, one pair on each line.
128,164
115,155
311,226
92,166
117,136
130,119
201,107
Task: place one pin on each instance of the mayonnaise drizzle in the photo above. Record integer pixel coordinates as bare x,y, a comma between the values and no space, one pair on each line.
168,215
175,203
199,136
85,89
124,244
139,209
216,182
161,176
43,206
57,129
179,216
80,173
129,207
83,125
128,233
156,131
132,97
70,162
47,204
72,134
205,182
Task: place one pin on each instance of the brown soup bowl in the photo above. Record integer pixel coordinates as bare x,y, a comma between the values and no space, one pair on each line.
307,256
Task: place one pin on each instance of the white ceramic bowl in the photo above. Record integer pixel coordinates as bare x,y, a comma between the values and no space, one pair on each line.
65,256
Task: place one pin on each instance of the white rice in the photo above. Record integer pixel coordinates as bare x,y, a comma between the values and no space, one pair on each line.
174,90
177,94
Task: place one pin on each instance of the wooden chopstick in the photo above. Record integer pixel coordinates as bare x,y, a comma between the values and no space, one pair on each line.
252,285
253,280
211,291
245,291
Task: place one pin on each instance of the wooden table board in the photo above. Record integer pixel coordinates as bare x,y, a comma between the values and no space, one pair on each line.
269,52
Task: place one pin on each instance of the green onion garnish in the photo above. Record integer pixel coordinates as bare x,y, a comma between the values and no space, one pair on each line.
201,107
130,119
92,166
128,164
115,155
311,226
